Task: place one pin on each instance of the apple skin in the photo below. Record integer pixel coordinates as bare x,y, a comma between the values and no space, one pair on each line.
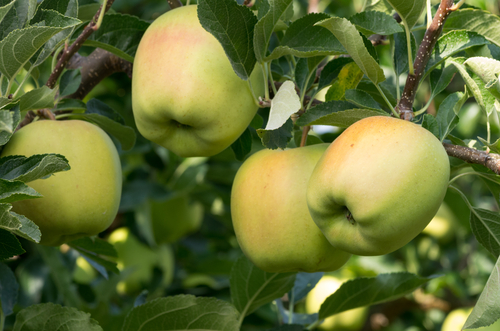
174,218
456,319
270,215
76,203
185,95
390,174
135,258
350,320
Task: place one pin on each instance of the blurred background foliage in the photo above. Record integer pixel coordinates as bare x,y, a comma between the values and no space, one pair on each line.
195,254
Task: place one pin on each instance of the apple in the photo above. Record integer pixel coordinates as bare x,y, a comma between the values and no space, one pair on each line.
174,218
185,95
378,185
270,215
443,225
84,272
136,259
349,320
455,320
76,203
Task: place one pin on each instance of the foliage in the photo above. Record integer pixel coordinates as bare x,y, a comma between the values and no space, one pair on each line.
354,52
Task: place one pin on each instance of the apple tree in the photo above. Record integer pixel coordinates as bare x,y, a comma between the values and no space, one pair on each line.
204,222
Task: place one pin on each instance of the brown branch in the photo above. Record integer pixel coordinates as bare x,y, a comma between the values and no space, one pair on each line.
470,155
405,105
174,3
67,53
94,68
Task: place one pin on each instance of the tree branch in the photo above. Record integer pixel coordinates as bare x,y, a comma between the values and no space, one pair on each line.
94,68
405,105
470,155
67,53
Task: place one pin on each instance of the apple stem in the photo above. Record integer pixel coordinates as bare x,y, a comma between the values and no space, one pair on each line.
305,132
68,53
405,105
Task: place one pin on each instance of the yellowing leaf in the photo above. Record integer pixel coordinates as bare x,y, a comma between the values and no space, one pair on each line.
285,103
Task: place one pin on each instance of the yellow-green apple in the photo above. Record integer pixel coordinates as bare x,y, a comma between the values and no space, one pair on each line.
455,320
83,273
443,225
136,259
270,215
76,203
185,95
378,185
349,320
174,218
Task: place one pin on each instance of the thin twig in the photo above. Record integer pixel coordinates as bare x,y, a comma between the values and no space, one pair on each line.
66,54
405,105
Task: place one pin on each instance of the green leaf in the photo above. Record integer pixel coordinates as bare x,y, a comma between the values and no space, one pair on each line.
349,37
278,138
8,289
349,78
73,105
441,78
304,39
20,45
9,245
119,34
400,57
361,99
430,124
452,43
17,16
375,22
337,113
488,70
18,224
98,252
447,115
361,292
15,191
70,81
288,327
44,16
52,317
475,20
95,106
265,27
409,10
378,5
487,307
252,287
39,98
182,312
243,145
233,26
26,169
485,225
9,120
5,9
331,71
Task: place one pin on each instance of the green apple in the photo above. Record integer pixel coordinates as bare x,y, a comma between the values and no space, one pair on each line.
186,96
84,273
136,259
174,218
443,225
455,320
349,320
76,203
270,215
378,185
